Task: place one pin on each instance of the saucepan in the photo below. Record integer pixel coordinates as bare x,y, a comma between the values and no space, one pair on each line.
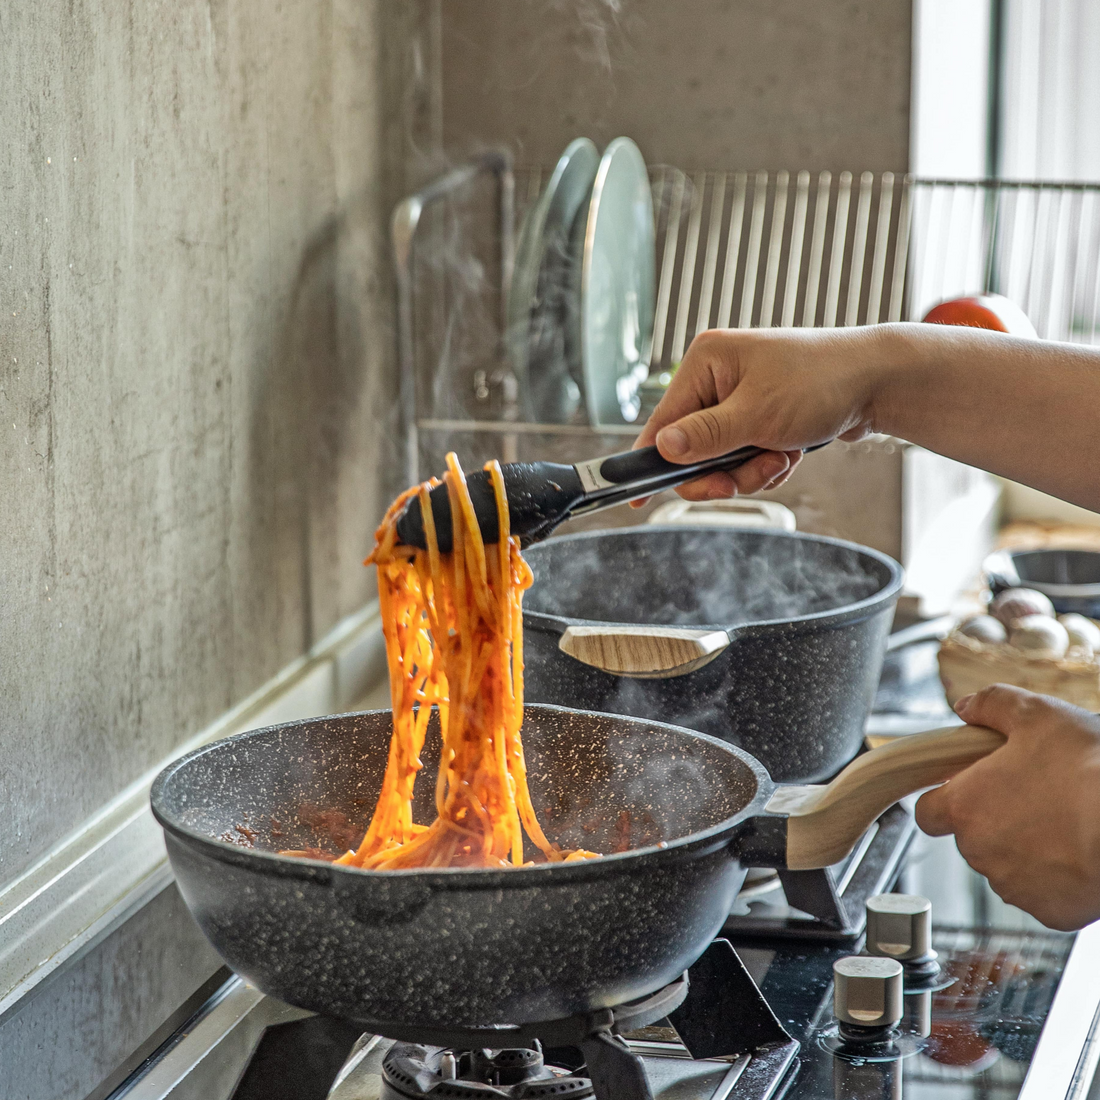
680,815
771,640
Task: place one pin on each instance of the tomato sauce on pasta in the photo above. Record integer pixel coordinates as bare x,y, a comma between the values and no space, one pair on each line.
453,627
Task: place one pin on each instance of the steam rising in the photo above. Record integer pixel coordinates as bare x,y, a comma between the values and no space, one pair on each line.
600,19
697,577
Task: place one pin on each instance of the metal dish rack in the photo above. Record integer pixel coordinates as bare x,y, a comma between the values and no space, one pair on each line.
735,249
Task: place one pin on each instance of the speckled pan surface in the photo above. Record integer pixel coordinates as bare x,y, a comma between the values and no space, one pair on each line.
808,619
462,946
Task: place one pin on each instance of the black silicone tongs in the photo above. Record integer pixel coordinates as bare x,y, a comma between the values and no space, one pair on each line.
543,494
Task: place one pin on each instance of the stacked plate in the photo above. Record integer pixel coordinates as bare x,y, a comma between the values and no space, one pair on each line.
580,307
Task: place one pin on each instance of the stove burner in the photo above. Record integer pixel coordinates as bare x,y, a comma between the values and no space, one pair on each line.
414,1072
613,1071
727,1017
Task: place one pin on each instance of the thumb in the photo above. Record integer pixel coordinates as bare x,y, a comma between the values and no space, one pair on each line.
704,434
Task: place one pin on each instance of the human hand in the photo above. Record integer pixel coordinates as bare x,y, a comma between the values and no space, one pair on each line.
780,389
1028,815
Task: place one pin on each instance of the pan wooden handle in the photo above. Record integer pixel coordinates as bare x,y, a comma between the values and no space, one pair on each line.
825,822
643,652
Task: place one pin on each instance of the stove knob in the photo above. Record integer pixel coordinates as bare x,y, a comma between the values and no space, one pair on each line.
899,926
867,991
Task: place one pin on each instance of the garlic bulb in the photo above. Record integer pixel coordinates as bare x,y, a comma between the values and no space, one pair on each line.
1083,633
1015,603
983,628
1039,635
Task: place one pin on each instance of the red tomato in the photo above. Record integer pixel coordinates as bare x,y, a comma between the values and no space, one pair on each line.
991,311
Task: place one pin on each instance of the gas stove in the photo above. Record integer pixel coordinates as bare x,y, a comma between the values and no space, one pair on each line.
896,973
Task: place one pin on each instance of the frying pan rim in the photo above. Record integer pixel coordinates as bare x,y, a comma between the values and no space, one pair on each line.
459,877
836,616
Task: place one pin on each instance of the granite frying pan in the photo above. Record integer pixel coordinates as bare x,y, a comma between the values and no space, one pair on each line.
679,814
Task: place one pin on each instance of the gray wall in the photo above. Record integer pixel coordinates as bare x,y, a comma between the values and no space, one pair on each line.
697,83
195,353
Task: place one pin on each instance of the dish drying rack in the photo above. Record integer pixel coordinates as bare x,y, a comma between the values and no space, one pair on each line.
734,249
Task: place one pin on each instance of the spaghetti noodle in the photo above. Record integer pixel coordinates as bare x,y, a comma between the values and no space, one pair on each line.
453,626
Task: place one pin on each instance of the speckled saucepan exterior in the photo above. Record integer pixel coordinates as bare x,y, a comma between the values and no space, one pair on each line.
462,947
807,618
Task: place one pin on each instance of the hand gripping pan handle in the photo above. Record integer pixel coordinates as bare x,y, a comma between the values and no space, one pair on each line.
815,826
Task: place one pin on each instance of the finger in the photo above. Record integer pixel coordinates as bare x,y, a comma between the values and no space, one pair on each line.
933,812
717,486
962,703
706,433
795,457
761,472
694,386
766,471
1007,709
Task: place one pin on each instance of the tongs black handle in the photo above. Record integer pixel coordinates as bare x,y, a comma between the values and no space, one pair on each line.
542,495
619,478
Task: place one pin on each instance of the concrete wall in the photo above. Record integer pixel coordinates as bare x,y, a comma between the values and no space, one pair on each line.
195,361
698,83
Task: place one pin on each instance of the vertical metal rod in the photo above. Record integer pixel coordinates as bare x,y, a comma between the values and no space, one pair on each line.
859,248
733,250
1085,253
406,362
794,256
1055,284
817,248
882,242
836,256
901,251
974,256
995,90
509,443
1034,296
1009,202
658,178
687,268
668,268
946,240
509,385
507,238
991,215
534,186
752,253
714,243
1095,289
775,249
934,248
924,222
1075,243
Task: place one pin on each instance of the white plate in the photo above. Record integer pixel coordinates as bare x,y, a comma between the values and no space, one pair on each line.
617,286
537,308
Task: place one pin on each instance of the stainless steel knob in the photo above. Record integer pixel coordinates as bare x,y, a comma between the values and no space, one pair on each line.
867,991
899,926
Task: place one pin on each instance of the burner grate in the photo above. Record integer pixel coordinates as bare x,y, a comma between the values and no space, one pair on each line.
829,905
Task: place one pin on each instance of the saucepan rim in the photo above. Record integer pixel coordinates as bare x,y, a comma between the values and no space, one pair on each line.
455,877
846,613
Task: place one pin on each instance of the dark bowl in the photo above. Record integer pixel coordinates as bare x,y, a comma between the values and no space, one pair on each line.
1070,579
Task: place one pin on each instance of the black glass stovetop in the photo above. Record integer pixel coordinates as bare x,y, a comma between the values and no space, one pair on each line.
983,1028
